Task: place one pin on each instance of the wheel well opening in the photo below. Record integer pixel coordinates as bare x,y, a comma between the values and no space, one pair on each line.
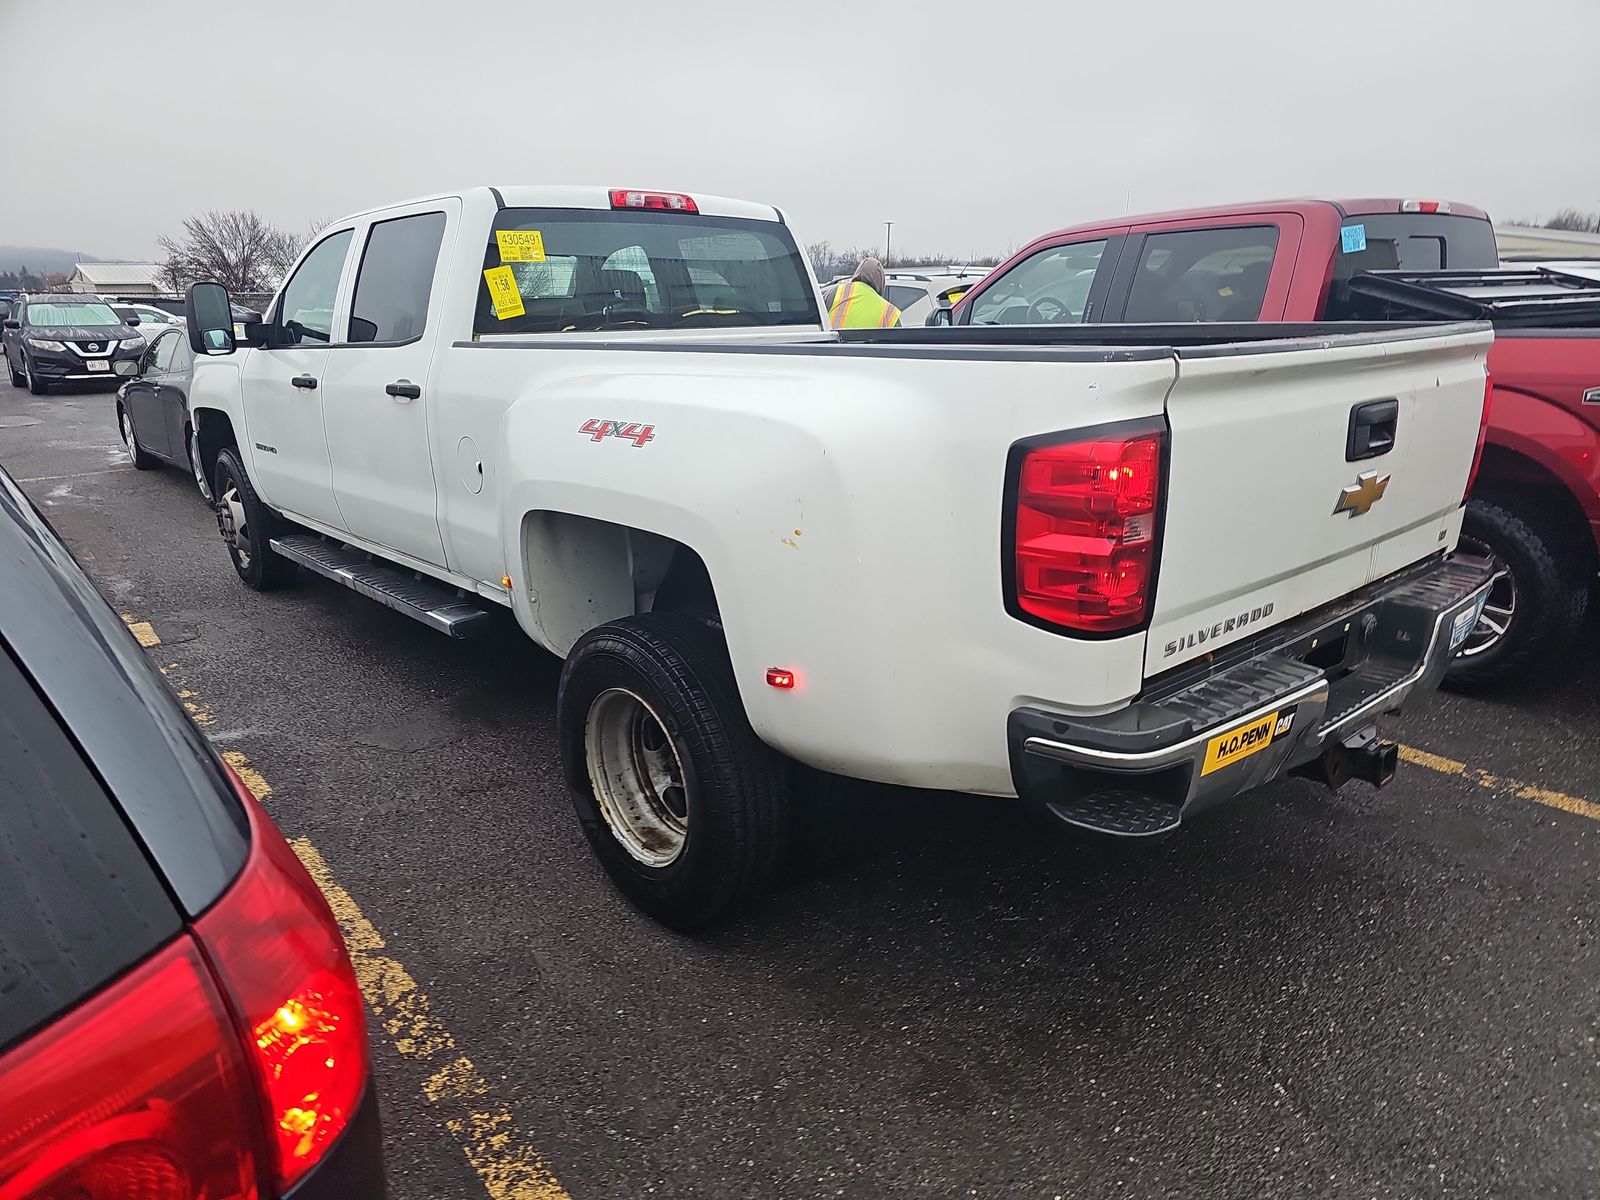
216,435
582,572
1516,482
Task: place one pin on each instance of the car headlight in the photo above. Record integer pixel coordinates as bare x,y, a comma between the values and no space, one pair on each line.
134,343
45,344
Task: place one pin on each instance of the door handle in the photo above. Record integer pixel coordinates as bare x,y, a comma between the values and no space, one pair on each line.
404,389
308,382
1372,429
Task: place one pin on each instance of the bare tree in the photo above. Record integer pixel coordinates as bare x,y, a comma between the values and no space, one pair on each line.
1572,218
237,248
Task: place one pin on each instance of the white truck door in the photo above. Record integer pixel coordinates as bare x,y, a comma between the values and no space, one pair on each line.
283,388
375,401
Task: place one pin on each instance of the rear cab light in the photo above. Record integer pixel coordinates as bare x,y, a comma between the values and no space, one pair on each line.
276,948
1425,206
1082,521
657,201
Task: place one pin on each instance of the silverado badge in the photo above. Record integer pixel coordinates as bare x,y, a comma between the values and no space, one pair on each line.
1356,498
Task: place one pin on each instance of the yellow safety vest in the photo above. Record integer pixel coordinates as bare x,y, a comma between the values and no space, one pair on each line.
856,306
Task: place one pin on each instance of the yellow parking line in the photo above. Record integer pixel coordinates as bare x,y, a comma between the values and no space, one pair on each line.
1499,783
482,1125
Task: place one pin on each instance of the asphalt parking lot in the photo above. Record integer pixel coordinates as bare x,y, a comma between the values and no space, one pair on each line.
1362,994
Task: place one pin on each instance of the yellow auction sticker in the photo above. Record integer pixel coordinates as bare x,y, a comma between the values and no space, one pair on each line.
1244,740
503,293
520,245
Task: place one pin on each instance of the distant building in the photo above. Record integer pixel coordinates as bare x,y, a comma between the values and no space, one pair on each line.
117,279
1526,242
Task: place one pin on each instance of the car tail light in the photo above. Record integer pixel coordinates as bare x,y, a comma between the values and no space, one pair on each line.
665,201
1083,540
1424,206
1483,436
276,949
142,1091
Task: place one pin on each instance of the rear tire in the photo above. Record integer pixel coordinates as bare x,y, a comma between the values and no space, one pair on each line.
247,525
18,379
1532,614
647,708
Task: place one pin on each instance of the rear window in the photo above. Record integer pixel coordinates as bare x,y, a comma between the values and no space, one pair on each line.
904,297
80,901
1418,242
592,270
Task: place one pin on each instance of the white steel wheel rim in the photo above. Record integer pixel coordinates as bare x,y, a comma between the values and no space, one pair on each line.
637,776
235,527
199,471
1499,607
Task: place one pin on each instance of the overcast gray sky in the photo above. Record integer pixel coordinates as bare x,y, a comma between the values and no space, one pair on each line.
973,125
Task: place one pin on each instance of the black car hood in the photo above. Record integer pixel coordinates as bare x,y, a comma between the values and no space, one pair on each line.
99,334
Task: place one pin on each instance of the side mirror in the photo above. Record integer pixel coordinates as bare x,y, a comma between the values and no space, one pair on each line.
209,314
12,323
130,320
939,316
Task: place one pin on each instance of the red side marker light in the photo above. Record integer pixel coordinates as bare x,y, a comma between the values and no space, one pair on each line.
660,201
779,678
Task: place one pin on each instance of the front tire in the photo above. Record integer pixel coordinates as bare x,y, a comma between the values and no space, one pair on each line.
130,438
36,386
1533,612
685,807
247,525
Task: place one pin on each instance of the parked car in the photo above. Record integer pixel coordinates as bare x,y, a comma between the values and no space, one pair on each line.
1535,503
153,408
180,1017
65,338
151,320
757,542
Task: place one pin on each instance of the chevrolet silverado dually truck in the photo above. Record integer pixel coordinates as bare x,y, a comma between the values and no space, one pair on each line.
1123,573
1535,503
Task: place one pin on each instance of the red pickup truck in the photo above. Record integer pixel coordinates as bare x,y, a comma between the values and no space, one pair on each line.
1535,503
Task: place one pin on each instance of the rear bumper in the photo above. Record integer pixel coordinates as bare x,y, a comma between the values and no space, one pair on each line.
1297,695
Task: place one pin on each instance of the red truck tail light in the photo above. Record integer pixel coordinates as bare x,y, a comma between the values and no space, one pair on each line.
1083,530
142,1091
276,949
1483,436
663,201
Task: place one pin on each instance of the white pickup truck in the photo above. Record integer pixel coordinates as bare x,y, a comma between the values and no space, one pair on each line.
1122,572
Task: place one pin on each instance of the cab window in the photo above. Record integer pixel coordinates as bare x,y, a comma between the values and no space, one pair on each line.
1050,287
161,359
1202,275
305,310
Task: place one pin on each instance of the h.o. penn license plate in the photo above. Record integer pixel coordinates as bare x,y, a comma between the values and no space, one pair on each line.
1242,741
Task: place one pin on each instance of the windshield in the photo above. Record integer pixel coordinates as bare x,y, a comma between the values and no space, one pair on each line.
599,270
68,313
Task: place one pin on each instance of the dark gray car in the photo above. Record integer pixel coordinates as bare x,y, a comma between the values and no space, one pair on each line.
153,408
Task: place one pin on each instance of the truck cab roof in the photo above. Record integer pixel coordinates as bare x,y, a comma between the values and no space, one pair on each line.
1310,207
592,196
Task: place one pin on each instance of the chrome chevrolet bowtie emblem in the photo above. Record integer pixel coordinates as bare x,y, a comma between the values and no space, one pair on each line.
1356,498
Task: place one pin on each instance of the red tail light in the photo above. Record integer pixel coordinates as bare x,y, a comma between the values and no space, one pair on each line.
1483,436
1424,206
277,950
142,1091
665,201
1083,542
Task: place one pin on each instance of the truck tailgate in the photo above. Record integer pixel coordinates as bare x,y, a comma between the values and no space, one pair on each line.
1271,510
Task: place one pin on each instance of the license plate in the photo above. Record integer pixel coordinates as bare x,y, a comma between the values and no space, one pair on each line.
1465,620
98,366
1242,741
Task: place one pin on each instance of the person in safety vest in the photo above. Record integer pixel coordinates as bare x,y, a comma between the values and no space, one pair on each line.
859,303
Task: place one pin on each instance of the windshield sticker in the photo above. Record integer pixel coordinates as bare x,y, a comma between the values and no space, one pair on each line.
503,293
1353,239
520,245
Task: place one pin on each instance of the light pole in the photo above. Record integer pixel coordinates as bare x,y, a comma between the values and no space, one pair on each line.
888,229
